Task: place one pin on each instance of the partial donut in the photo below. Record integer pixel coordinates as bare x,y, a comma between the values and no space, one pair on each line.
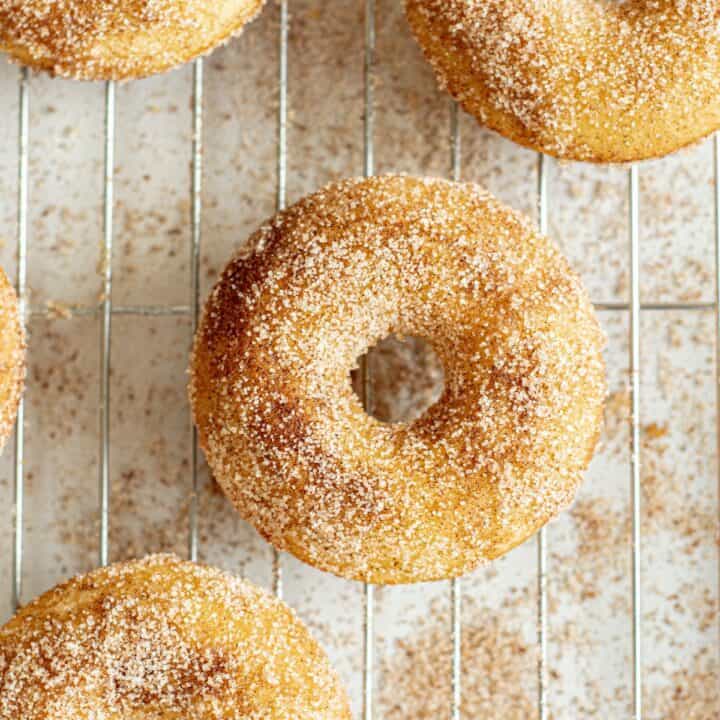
161,639
12,358
493,460
582,80
117,39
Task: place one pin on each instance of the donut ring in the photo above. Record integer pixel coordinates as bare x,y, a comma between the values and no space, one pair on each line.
492,461
12,358
587,80
112,40
161,639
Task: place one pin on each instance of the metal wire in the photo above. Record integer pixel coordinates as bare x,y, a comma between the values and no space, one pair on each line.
105,311
21,288
456,583
282,107
369,124
716,168
658,306
281,190
196,179
542,608
634,206
106,327
69,311
365,364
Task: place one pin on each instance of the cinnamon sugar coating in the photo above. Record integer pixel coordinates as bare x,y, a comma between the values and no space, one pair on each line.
592,80
485,467
117,39
163,639
12,358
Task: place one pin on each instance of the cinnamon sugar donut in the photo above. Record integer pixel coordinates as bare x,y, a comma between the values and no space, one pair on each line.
494,459
118,40
160,639
591,80
12,358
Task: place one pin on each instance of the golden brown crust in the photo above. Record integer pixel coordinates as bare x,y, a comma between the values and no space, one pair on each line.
499,454
111,40
161,639
12,358
581,79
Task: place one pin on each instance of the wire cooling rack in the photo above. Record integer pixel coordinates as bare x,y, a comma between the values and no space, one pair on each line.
106,310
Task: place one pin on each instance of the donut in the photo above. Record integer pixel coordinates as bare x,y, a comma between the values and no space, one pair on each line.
163,639
112,40
581,80
497,456
12,358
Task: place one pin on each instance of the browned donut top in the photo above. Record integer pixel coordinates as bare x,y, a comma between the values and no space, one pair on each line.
498,455
117,39
590,80
161,639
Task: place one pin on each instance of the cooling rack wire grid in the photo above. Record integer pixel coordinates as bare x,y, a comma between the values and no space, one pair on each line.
106,311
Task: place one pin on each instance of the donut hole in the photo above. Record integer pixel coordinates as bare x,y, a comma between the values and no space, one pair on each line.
407,378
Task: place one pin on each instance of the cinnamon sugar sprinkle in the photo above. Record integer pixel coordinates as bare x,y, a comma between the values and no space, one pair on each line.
503,665
150,479
117,38
584,79
499,454
165,639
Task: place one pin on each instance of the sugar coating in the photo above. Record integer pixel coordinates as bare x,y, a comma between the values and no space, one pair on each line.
163,639
12,358
592,80
494,459
117,39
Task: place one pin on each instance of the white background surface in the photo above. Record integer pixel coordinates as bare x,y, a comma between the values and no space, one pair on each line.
589,583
